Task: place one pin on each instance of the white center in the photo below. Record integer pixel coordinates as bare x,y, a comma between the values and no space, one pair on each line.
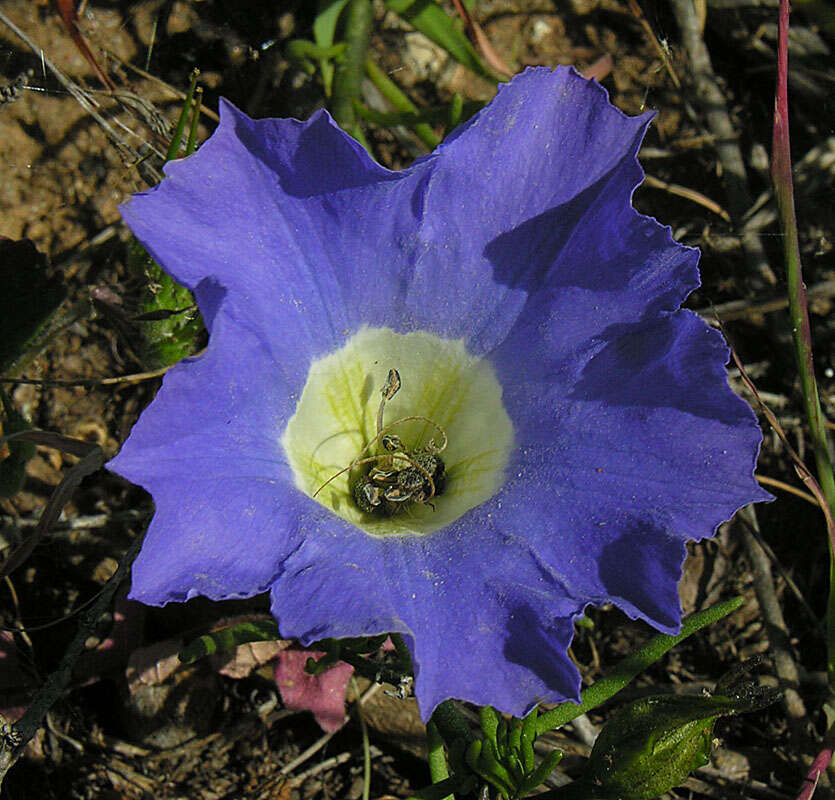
337,417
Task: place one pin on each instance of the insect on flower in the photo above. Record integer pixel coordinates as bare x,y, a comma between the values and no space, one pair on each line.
398,477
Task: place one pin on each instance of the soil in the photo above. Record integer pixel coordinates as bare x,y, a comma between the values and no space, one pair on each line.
63,177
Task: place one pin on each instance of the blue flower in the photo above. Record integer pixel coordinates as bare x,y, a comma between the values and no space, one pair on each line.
581,423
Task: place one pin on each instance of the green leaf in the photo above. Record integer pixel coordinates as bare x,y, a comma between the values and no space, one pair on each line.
229,638
182,119
349,72
493,771
324,31
527,739
541,773
631,666
170,326
514,738
501,736
433,22
489,723
302,52
456,111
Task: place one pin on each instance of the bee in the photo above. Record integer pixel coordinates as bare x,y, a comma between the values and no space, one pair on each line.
398,478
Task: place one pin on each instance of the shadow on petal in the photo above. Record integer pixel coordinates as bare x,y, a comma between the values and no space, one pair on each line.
209,295
524,256
543,650
312,158
640,572
676,362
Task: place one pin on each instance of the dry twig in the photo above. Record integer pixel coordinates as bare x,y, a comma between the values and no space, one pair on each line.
712,100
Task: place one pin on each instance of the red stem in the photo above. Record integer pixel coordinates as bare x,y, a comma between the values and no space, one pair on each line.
819,765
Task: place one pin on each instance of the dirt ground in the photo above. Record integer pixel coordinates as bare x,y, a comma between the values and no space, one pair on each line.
62,177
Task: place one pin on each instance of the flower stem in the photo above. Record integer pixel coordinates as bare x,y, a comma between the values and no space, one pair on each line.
191,142
631,666
781,174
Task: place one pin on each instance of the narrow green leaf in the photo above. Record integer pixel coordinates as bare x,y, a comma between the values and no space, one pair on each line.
492,770
433,22
514,736
229,638
392,92
347,79
631,666
489,723
541,773
526,751
527,739
324,31
301,51
456,111
438,767
174,146
501,736
473,753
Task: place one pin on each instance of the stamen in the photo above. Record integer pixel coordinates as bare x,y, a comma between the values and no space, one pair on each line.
390,388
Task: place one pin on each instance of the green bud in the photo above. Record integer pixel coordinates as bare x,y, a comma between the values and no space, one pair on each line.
653,744
164,338
650,746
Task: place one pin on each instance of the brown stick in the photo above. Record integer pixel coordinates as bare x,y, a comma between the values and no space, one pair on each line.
715,109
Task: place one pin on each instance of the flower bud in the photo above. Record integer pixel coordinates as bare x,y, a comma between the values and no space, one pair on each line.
652,745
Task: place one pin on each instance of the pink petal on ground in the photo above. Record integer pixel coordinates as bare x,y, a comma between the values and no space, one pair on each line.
323,694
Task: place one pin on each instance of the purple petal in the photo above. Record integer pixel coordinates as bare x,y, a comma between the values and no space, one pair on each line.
261,210
208,449
516,236
486,621
626,452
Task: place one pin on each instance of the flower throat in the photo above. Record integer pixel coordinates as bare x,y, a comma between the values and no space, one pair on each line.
396,478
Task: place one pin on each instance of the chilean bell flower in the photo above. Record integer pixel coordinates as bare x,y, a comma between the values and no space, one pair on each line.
459,401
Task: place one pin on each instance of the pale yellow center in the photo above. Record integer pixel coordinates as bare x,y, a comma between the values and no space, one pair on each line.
336,418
